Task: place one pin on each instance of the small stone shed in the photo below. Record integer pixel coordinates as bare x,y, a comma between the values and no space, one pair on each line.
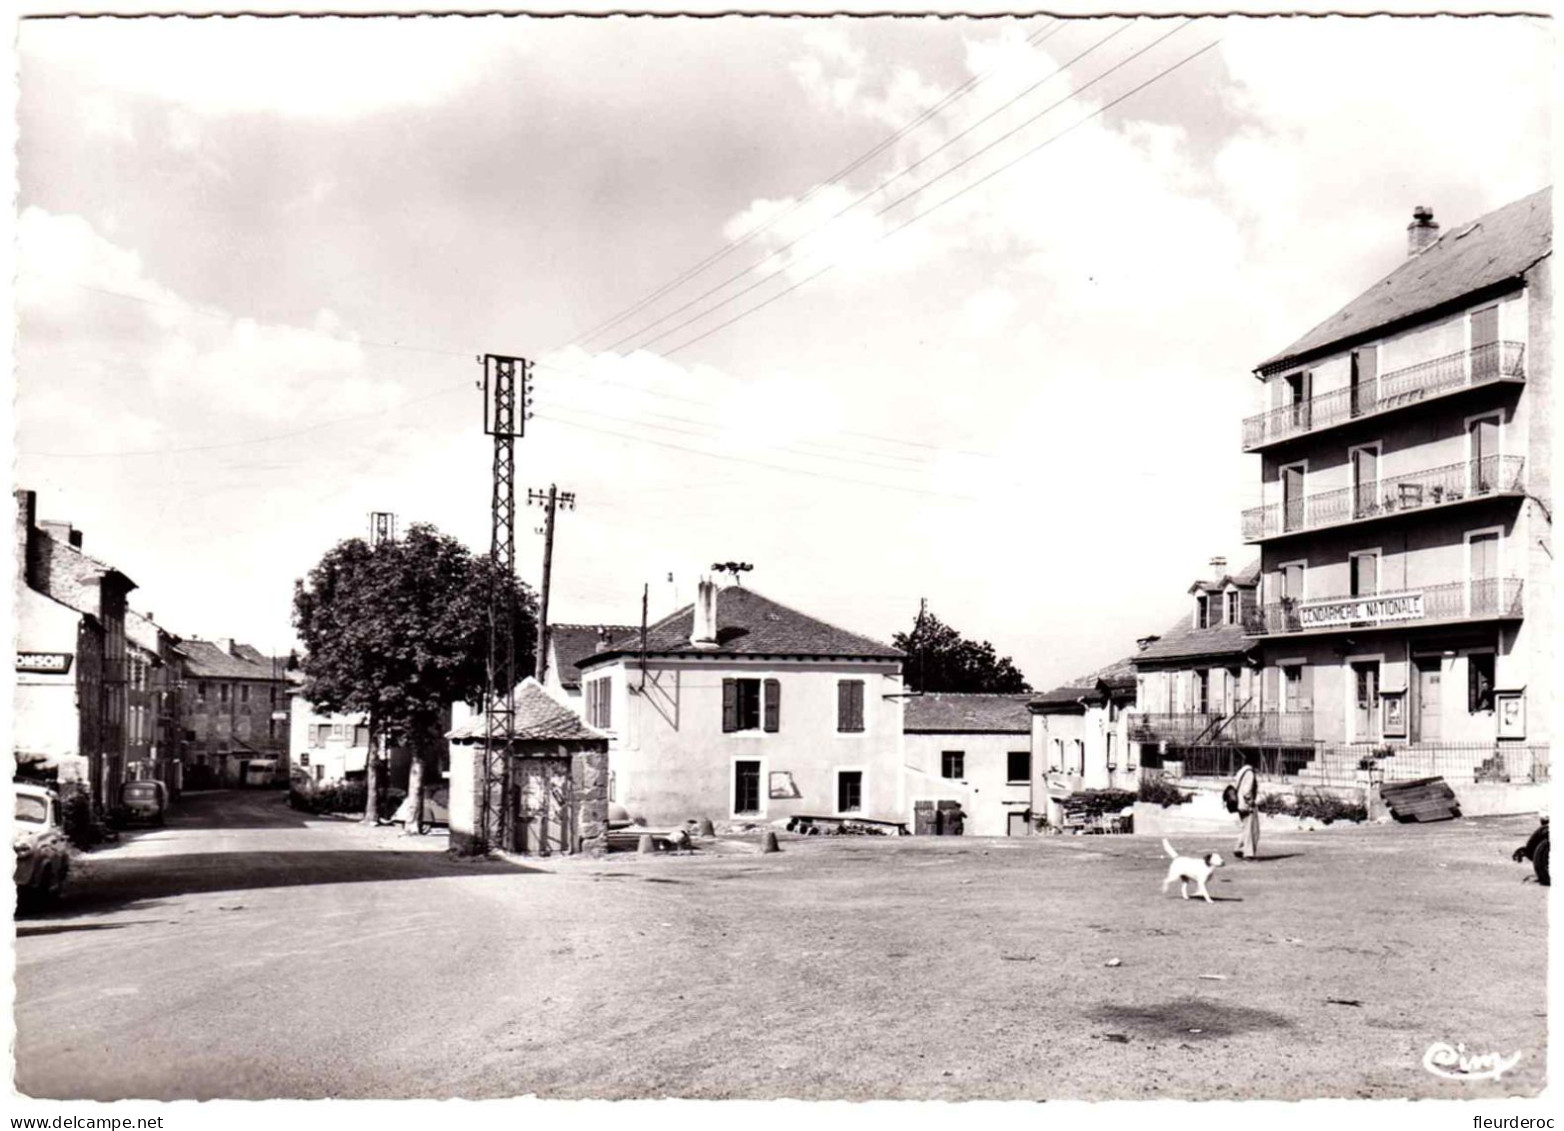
555,789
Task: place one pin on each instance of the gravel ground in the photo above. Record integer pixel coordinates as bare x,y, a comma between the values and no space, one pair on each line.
278,956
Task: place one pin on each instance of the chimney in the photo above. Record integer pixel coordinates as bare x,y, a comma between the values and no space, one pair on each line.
26,523
1422,231
1218,568
703,626
226,643
603,639
61,532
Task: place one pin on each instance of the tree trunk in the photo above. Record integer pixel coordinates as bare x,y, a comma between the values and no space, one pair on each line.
372,774
415,783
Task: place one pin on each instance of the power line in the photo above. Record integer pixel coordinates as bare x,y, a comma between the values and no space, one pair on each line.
853,204
940,204
965,88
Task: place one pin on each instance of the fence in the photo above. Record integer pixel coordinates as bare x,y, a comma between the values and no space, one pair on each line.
1355,765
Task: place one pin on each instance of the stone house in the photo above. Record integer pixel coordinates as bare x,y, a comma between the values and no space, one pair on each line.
975,749
234,709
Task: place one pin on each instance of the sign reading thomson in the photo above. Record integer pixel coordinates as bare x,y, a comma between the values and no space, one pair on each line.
50,663
1356,610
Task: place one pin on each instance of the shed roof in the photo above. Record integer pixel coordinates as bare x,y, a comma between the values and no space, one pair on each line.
539,718
944,712
1467,258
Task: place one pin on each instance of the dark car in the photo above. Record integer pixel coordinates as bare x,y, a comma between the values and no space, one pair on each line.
143,803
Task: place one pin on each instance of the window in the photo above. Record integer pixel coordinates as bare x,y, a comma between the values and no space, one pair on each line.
1479,682
1483,445
244,693
304,759
201,691
1292,497
222,692
849,791
1485,344
271,728
746,788
953,764
599,703
751,704
1202,692
849,705
1057,762
1365,481
271,696
361,736
339,730
1292,688
1202,611
1018,766
1365,371
1232,606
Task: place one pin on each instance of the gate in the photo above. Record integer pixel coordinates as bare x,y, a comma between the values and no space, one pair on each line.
542,806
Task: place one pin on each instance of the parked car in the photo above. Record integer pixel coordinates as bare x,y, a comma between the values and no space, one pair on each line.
437,801
43,855
143,802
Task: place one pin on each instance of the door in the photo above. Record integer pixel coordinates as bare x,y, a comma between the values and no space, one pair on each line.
1292,497
1365,380
1485,344
1484,436
1429,706
1365,575
1483,569
1365,679
541,806
1365,482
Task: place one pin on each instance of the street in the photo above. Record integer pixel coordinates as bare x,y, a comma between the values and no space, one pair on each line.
249,951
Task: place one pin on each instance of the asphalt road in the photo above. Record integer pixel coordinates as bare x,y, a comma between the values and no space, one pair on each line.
246,951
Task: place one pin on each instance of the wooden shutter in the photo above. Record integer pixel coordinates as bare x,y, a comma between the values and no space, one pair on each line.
844,705
730,705
858,705
773,705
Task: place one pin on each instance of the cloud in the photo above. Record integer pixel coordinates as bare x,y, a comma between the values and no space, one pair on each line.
315,68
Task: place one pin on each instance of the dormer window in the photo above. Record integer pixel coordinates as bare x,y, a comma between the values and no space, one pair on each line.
1202,611
1230,615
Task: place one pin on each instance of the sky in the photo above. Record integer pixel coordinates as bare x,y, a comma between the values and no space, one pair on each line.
955,310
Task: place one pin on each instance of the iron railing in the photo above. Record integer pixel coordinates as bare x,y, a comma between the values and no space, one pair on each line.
1477,478
1495,361
1216,729
1347,765
1488,598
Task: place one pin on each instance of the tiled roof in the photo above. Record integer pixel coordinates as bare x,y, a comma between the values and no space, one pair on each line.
751,625
1465,259
204,659
539,718
1244,578
1183,639
575,642
942,712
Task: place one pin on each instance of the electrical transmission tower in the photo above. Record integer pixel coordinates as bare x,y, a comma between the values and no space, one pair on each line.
382,527
550,500
507,401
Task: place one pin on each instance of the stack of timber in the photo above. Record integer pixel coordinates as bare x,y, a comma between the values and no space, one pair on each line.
1426,799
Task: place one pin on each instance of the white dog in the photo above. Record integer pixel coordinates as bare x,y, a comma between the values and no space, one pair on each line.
1190,870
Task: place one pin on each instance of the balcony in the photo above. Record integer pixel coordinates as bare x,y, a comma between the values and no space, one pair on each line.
1496,361
1488,477
1494,598
1245,728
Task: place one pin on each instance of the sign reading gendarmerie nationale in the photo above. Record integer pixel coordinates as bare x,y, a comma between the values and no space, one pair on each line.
1357,610
53,663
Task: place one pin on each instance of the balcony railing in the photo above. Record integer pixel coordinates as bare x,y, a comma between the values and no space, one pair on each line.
1485,599
1473,479
1245,728
1496,361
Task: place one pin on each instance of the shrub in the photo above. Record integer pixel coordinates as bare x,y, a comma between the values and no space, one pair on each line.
1095,802
1273,803
1325,808
1158,790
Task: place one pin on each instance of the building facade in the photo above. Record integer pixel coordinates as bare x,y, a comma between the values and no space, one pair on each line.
975,750
152,730
568,645
234,709
740,709
1081,738
1405,529
51,562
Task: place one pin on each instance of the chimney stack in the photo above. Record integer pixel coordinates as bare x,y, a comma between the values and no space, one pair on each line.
1422,231
61,532
226,643
1218,568
703,626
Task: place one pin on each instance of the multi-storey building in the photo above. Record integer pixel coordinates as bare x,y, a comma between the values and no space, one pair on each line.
1405,530
152,731
51,562
234,706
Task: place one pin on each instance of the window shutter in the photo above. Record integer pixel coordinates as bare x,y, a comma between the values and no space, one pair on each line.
858,705
844,705
730,705
773,705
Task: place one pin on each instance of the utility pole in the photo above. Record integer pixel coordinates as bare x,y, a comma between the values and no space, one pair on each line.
550,501
505,418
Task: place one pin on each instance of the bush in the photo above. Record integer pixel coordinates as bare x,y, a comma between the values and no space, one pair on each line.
1159,791
1095,802
1326,808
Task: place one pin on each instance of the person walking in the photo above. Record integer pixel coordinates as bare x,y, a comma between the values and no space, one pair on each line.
1247,786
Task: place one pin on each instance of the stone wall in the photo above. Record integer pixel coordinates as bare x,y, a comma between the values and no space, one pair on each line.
589,784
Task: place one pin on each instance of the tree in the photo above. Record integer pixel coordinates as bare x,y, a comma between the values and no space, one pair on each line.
398,632
940,659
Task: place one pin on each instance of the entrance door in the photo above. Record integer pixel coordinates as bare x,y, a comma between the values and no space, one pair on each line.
541,805
1292,497
1484,442
1365,482
1485,344
1365,678
1365,364
1429,708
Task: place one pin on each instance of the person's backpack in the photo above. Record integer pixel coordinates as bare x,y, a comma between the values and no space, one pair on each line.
1230,798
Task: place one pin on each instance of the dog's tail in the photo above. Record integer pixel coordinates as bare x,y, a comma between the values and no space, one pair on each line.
1168,848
